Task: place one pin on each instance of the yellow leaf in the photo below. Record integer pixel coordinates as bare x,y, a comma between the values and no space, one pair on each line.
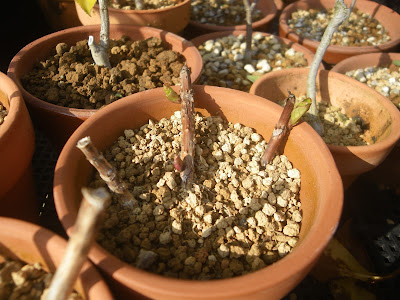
86,5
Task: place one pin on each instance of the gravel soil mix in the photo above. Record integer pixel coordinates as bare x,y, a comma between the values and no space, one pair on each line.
69,77
19,280
237,218
147,4
361,29
3,113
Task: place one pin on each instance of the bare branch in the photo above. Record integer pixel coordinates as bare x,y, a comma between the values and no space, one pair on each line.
187,114
281,128
341,13
100,51
107,172
249,29
85,230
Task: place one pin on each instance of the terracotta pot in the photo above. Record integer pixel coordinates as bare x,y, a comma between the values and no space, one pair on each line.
355,98
267,7
308,54
334,54
59,14
173,19
59,122
17,144
321,193
32,243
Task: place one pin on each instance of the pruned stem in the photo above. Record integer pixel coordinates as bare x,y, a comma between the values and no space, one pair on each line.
281,128
107,172
340,14
249,29
85,230
187,114
100,51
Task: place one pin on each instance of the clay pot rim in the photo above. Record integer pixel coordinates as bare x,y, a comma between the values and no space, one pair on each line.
14,109
141,12
81,112
271,12
299,259
21,228
343,66
304,4
391,108
197,41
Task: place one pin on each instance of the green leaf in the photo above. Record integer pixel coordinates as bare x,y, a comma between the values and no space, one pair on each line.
396,63
253,78
171,94
300,108
118,95
86,5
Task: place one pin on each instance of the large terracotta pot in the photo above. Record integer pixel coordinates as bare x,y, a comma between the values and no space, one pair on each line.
267,7
355,98
59,122
334,54
17,144
321,193
173,19
31,243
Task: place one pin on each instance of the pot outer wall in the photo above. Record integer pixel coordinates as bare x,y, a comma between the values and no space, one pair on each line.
355,99
267,7
58,122
321,193
334,54
173,19
17,143
32,243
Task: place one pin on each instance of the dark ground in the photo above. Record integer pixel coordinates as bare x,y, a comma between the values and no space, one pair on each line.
373,200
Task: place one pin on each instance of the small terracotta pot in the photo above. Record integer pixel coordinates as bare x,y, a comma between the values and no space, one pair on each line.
17,144
173,19
321,193
267,7
32,243
59,122
308,54
334,54
355,99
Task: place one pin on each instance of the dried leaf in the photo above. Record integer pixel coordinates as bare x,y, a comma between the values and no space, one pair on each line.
300,108
86,5
171,94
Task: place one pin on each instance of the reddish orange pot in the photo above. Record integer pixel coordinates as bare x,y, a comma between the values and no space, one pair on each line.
267,7
334,54
32,243
321,194
355,98
17,144
60,122
173,19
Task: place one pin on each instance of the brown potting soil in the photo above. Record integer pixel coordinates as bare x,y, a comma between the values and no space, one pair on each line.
69,77
19,280
237,218
3,113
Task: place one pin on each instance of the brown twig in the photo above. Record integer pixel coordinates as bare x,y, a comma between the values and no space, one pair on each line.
249,29
281,128
107,172
187,114
85,230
